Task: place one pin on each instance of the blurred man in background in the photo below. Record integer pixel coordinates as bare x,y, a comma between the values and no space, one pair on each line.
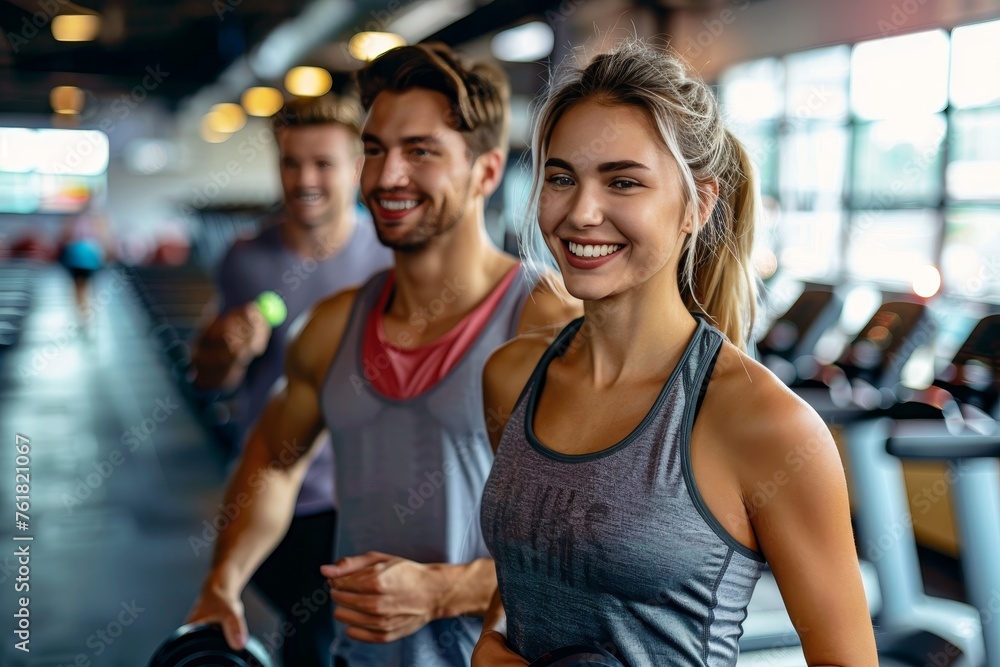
315,246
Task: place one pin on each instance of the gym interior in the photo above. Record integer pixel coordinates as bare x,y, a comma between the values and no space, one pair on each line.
874,128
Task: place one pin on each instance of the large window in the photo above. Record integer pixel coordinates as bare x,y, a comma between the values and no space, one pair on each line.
882,157
50,171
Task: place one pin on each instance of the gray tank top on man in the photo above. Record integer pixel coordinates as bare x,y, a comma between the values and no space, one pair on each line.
266,263
617,548
410,473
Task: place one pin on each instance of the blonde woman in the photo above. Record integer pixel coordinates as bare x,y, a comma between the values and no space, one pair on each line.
648,468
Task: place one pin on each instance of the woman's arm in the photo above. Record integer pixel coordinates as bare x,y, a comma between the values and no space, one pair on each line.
795,493
504,376
492,651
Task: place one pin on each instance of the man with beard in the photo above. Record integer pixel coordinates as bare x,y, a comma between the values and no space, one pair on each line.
314,247
394,370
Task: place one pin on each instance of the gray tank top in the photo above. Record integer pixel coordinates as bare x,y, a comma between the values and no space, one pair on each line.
617,548
410,473
266,263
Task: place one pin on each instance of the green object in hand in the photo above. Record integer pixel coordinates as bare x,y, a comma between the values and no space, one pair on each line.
272,307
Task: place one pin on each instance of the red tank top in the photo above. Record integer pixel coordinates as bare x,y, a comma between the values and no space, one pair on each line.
403,373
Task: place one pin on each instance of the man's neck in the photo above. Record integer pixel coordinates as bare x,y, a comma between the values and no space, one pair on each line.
321,241
453,274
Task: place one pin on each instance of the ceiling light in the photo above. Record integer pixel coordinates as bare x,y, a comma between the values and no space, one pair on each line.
210,131
308,81
66,99
523,44
370,45
76,27
262,101
229,118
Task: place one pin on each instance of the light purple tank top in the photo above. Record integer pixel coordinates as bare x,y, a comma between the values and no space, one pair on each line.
266,263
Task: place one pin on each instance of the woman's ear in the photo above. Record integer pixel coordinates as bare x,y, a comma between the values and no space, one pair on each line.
708,195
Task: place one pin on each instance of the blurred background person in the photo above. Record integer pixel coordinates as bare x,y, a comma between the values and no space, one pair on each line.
84,247
318,244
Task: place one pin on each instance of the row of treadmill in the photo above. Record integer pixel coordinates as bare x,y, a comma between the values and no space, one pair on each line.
880,424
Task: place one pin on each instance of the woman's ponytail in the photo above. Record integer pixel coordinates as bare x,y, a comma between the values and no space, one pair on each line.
718,278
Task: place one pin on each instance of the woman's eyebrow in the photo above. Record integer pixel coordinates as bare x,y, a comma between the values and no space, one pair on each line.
556,162
605,167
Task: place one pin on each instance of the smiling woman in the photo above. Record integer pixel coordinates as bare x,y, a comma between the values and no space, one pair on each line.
644,192
616,509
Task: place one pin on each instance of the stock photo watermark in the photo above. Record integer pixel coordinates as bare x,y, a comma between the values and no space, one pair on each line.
137,435
258,481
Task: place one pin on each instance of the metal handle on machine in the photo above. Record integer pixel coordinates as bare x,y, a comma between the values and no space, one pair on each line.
974,476
932,441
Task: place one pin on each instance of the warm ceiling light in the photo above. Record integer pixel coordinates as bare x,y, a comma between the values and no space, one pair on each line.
210,131
76,27
262,101
370,45
66,99
308,81
229,118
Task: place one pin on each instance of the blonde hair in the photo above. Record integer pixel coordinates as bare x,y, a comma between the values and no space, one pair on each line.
326,110
714,274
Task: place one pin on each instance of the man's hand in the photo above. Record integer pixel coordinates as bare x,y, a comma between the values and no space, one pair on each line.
245,331
225,349
384,598
217,606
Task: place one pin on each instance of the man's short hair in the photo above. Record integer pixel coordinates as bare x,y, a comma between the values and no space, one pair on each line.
325,110
479,94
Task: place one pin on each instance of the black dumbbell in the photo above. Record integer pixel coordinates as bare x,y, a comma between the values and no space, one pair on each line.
204,645
577,656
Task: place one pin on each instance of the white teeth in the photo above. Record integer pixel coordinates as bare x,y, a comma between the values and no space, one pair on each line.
391,205
309,198
581,250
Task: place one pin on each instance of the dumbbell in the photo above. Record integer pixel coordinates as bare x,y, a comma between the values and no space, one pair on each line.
577,656
272,307
204,645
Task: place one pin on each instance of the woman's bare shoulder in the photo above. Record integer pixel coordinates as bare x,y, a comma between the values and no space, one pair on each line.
755,413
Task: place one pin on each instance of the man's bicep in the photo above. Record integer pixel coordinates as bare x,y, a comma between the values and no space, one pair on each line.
549,304
291,422
294,415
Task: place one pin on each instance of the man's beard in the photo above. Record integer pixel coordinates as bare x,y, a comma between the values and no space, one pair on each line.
430,226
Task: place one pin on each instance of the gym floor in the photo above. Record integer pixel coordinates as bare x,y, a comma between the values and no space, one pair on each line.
122,477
